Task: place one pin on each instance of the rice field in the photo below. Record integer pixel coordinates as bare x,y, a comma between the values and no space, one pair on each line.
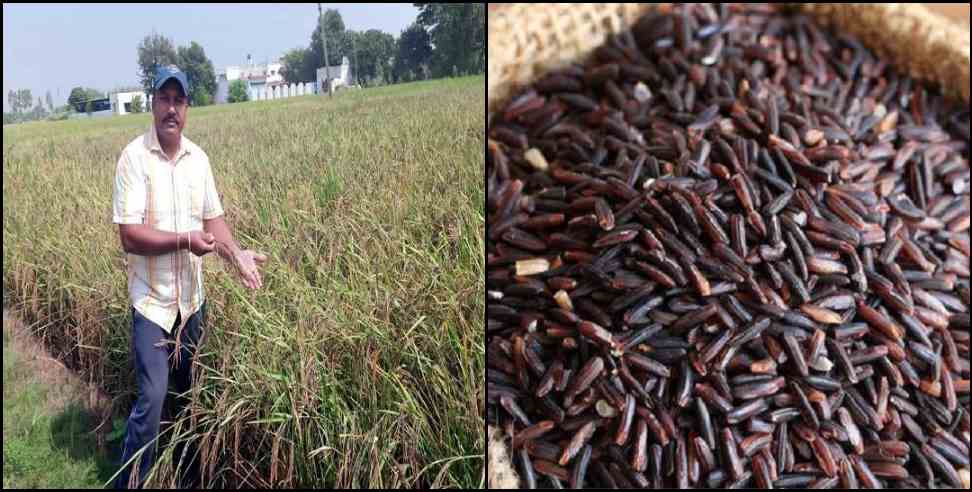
361,361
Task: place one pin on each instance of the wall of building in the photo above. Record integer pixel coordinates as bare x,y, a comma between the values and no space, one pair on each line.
120,99
268,74
340,75
222,91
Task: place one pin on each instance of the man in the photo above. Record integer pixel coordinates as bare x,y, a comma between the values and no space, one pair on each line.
169,216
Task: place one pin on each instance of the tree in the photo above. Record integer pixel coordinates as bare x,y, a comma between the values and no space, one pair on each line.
154,51
136,104
77,97
298,66
375,51
19,100
80,94
202,98
413,51
13,99
23,100
199,71
50,102
458,33
237,91
89,107
338,42
38,112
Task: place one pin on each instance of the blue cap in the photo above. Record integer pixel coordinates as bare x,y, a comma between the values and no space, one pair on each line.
171,72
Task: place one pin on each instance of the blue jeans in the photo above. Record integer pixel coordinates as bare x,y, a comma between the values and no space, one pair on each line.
154,362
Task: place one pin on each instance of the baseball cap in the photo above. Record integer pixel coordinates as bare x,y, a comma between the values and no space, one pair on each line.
171,72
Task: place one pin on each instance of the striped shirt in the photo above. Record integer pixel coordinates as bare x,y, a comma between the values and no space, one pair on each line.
173,195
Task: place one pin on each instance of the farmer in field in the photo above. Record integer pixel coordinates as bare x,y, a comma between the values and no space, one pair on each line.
169,216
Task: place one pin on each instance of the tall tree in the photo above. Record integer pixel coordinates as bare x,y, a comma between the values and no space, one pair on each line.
298,66
199,71
24,99
338,42
154,51
38,112
413,52
458,32
13,99
375,51
50,102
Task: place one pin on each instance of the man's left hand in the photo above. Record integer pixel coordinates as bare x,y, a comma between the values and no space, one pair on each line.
247,263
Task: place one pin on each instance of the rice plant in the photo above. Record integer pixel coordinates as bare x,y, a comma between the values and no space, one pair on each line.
360,363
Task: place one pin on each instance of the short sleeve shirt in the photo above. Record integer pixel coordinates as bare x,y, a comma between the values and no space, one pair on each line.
173,194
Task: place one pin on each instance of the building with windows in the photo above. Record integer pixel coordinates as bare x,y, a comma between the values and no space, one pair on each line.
338,75
258,77
121,102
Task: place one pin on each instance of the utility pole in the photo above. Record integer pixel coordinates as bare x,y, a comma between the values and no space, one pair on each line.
327,75
354,69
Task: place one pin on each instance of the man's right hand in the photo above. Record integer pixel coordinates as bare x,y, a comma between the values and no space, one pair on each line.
201,243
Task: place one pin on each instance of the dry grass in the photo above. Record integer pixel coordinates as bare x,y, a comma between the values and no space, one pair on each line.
361,361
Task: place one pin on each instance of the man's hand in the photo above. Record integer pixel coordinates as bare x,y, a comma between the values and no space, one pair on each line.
247,263
201,242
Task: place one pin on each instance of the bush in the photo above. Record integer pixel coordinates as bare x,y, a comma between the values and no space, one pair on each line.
137,104
237,92
201,98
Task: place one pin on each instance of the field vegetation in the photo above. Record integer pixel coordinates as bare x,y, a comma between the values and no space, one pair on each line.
361,361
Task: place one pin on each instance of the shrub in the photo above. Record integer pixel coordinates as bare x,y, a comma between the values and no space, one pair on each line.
237,91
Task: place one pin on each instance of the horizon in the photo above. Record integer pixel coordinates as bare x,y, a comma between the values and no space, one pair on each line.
41,51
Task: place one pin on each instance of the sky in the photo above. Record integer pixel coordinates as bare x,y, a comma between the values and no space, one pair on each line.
59,46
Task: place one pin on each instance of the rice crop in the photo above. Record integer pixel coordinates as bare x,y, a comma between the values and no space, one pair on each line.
360,363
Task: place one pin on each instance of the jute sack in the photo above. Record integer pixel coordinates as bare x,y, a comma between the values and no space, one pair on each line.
527,41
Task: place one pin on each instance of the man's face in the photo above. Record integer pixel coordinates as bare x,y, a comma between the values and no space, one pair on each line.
169,107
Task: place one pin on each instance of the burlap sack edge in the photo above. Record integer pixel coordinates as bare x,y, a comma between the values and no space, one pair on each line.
529,40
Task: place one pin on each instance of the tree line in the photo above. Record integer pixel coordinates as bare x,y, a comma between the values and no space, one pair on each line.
445,40
20,102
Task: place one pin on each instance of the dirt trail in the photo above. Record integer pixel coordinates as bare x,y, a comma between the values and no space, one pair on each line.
65,386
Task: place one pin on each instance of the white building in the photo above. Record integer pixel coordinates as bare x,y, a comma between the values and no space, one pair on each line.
121,102
258,77
340,75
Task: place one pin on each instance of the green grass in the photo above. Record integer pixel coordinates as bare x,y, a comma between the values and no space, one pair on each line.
42,447
361,361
